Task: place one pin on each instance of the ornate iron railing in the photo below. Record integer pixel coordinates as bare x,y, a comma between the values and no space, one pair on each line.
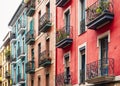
44,56
64,32
46,18
30,66
29,35
102,67
97,8
62,79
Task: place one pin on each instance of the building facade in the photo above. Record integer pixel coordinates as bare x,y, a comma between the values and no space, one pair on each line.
90,56
6,67
66,63
41,43
18,25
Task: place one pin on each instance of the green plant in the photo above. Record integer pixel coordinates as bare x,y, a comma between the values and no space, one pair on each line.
7,53
103,6
61,34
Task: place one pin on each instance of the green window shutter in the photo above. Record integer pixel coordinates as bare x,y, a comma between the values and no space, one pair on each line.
31,26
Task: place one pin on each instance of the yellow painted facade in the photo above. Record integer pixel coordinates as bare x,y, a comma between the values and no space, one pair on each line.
5,55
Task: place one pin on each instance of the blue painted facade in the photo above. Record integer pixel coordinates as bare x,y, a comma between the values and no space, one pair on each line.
18,46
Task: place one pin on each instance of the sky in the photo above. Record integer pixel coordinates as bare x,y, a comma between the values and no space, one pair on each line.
7,10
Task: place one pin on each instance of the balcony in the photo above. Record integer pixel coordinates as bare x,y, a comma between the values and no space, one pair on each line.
21,52
7,74
45,22
61,3
100,71
20,79
30,40
13,59
64,37
31,8
21,29
30,68
7,55
45,59
99,14
13,38
62,79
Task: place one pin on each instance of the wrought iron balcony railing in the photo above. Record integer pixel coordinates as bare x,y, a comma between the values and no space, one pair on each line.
21,28
62,79
20,52
30,68
61,3
64,37
99,69
99,13
30,37
7,74
31,8
45,22
45,59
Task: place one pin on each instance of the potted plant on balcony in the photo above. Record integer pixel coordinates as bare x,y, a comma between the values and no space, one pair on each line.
61,34
7,54
103,7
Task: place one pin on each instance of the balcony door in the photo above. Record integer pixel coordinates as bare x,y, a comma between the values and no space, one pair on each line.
67,22
82,65
104,55
67,69
48,10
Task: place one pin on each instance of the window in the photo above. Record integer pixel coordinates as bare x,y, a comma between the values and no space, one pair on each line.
14,51
67,69
104,47
32,53
23,70
32,25
39,80
103,55
39,16
48,10
82,16
82,64
47,46
32,82
47,79
39,53
14,76
67,22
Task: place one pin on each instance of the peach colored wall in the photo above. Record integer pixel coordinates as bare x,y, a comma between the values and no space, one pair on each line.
40,71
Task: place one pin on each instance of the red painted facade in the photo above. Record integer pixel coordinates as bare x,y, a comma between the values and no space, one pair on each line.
90,37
